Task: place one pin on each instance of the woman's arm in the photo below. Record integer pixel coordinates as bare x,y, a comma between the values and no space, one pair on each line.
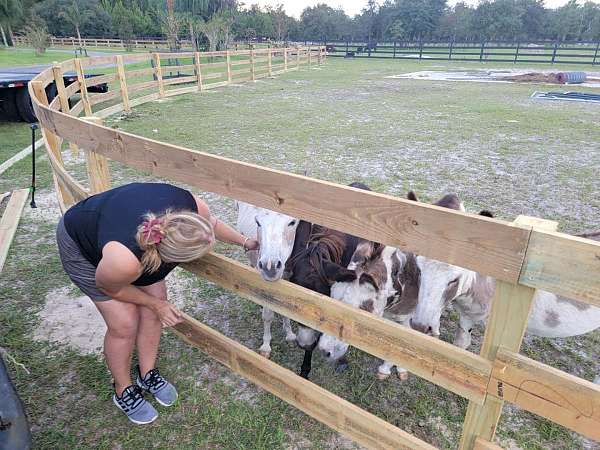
224,232
117,269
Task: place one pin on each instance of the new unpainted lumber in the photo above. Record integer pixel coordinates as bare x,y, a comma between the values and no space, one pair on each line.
444,364
543,390
506,325
87,106
198,70
63,98
551,255
471,241
159,76
52,143
482,444
97,166
10,221
228,67
123,83
19,156
333,411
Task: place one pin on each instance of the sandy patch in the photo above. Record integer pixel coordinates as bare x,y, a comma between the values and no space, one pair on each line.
47,207
71,321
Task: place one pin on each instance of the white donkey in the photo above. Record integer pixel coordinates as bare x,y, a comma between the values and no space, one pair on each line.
472,293
276,233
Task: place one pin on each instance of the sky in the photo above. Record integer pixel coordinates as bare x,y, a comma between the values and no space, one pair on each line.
352,7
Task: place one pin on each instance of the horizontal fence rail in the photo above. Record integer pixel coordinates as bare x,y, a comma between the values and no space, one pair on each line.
524,255
546,53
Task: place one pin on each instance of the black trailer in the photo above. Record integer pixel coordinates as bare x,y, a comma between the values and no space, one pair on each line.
15,104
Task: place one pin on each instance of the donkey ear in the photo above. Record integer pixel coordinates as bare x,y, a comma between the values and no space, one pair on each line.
412,196
337,273
368,278
486,213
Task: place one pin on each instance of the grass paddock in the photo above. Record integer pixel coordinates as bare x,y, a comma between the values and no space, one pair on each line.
345,121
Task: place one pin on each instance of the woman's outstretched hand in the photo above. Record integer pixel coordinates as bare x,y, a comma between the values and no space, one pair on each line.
167,314
251,244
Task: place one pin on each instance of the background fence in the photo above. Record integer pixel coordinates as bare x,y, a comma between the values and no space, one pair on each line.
523,255
541,52
143,43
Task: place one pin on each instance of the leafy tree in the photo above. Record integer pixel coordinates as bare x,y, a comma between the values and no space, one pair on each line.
396,31
566,22
590,23
280,21
212,30
171,25
99,23
37,35
253,23
10,12
77,15
323,21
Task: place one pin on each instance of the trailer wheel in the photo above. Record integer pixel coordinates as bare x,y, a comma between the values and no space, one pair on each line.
8,106
24,102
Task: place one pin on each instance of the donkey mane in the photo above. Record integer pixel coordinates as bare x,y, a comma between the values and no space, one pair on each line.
324,244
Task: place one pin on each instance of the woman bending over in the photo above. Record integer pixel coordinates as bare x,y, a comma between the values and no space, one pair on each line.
117,247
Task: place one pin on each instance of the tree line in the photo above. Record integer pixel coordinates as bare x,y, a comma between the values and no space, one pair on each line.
214,23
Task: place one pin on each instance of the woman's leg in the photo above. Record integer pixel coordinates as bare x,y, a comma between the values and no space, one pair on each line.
122,320
149,329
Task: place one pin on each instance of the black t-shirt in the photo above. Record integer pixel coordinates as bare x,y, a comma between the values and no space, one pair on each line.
115,215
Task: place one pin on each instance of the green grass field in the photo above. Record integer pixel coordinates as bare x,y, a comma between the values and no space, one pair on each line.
344,121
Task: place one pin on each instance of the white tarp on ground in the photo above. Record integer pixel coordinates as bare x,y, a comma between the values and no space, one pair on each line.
483,76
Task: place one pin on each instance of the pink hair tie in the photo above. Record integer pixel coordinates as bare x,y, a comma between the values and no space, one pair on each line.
152,231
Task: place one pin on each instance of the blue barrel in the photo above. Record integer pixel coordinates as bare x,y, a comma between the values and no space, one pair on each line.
574,77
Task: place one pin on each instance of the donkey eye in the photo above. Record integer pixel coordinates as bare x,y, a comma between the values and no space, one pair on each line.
292,223
453,281
257,222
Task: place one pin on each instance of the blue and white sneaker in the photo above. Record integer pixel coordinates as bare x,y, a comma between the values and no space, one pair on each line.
163,391
135,407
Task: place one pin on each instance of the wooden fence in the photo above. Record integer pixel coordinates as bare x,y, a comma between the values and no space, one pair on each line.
21,41
142,43
514,52
524,255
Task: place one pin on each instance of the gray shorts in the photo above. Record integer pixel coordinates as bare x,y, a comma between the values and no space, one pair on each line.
81,272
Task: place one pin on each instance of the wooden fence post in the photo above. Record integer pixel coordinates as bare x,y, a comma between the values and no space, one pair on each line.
309,54
596,53
450,50
554,52
63,99
87,107
252,68
505,327
270,56
229,67
285,59
517,52
159,77
123,83
199,71
52,142
97,166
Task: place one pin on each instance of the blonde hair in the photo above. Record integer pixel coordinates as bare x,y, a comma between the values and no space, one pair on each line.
173,237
